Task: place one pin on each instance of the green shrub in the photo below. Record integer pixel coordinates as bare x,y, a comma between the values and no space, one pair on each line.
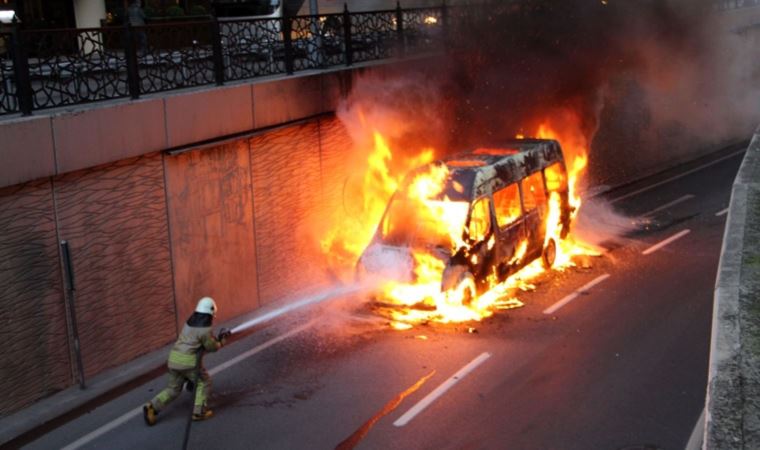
175,11
197,10
150,11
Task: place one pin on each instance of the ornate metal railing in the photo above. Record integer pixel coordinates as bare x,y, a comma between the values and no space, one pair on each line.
726,5
51,68
8,96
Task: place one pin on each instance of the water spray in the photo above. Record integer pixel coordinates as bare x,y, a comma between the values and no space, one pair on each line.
308,301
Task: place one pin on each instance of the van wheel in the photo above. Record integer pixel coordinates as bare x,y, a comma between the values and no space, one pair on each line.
468,294
459,279
549,255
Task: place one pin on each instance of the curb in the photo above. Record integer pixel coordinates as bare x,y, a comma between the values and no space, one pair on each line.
724,421
49,413
28,424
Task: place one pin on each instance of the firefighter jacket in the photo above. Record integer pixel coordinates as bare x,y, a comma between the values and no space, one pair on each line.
192,342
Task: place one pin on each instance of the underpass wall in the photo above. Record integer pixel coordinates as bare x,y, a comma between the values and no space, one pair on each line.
114,218
163,200
679,113
212,233
35,358
150,235
285,167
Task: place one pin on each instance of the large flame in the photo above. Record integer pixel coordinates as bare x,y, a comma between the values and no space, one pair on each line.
344,242
420,299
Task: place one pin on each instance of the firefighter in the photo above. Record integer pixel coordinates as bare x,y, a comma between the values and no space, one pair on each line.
186,363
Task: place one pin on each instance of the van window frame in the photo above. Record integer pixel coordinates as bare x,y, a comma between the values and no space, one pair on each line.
519,218
489,229
564,184
543,185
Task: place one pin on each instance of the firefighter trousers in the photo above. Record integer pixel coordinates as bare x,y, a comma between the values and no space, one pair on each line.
177,378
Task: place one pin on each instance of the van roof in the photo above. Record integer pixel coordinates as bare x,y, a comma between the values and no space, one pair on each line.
479,171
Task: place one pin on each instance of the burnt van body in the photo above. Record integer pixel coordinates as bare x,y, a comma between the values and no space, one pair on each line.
505,191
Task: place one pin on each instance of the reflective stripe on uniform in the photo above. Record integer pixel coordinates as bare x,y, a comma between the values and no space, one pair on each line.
182,359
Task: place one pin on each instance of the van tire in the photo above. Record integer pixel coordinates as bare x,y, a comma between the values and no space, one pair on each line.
549,254
454,276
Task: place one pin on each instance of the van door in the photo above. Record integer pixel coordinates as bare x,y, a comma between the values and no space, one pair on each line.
480,230
535,206
511,232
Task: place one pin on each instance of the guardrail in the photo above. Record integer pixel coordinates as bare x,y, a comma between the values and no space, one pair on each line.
42,69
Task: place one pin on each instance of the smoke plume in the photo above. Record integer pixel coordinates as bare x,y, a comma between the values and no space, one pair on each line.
648,83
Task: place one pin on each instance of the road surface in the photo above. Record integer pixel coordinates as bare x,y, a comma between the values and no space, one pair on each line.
611,356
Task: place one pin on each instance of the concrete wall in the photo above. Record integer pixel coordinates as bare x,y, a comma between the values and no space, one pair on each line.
211,216
60,141
149,235
151,232
288,198
35,357
114,217
732,406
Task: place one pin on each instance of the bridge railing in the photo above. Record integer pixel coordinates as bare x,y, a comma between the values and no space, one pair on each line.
41,69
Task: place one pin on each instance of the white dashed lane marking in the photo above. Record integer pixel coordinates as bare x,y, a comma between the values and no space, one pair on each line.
569,298
440,390
667,241
668,205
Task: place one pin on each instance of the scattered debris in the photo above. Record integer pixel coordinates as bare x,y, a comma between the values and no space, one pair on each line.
510,303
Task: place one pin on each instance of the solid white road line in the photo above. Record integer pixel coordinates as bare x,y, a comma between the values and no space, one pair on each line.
722,212
697,434
86,439
668,205
440,390
673,178
667,241
569,298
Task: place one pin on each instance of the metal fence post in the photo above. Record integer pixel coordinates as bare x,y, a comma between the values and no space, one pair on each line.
400,29
445,22
24,91
130,53
287,40
70,288
216,48
347,35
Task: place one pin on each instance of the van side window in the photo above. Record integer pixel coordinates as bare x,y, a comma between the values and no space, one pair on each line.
534,194
506,202
480,220
556,178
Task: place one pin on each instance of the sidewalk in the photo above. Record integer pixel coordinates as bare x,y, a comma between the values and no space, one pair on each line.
57,409
732,419
51,412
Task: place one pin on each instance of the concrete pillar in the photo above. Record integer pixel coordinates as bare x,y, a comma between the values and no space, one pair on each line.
88,14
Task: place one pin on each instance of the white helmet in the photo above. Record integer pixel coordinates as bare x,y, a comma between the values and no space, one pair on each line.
206,305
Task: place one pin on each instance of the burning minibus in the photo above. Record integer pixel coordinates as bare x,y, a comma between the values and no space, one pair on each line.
460,226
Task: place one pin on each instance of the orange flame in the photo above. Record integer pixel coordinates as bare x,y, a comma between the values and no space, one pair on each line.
421,300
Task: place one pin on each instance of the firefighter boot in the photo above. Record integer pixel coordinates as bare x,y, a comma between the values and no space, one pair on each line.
205,414
149,414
